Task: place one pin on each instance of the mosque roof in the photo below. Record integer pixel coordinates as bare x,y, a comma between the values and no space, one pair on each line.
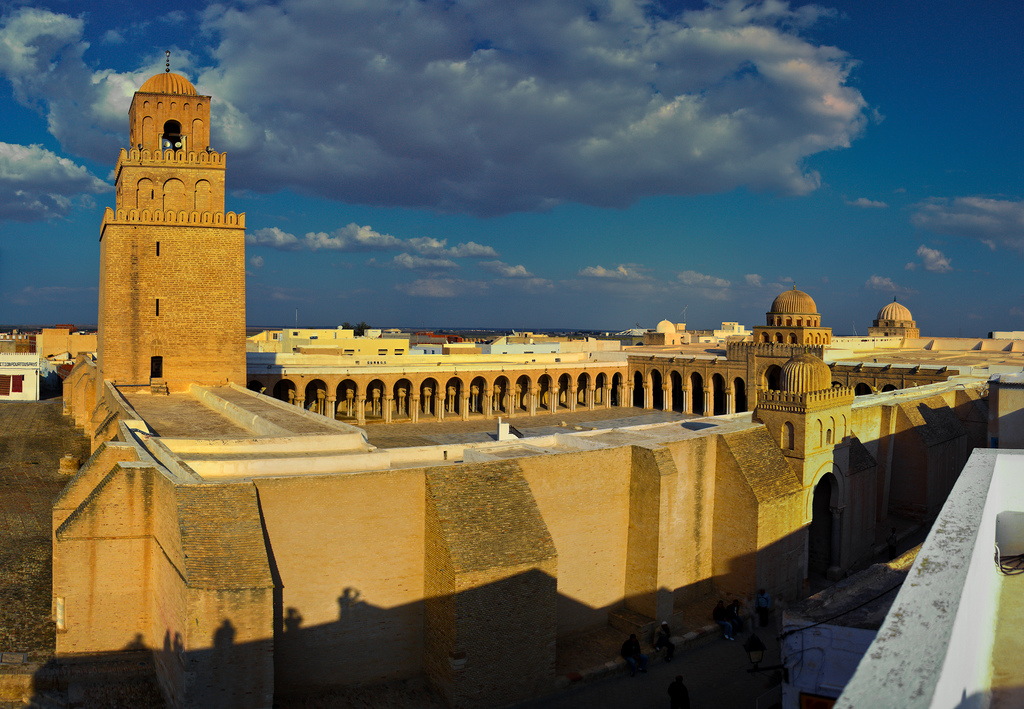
894,311
168,83
666,326
805,373
794,301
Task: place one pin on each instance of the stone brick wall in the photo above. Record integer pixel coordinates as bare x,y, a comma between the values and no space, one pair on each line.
348,552
589,524
199,280
491,569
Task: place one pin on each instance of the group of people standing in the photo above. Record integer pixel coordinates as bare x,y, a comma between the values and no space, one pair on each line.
637,660
730,618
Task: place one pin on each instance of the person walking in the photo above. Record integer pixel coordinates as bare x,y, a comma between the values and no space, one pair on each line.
678,694
664,639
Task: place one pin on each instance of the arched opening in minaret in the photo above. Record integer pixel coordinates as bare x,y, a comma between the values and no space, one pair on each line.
773,377
172,139
819,542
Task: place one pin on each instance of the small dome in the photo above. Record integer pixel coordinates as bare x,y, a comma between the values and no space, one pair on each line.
794,301
894,311
168,83
805,373
667,327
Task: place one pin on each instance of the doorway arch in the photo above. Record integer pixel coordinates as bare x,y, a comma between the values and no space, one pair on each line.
820,547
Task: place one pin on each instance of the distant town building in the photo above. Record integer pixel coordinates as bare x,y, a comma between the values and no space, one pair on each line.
19,376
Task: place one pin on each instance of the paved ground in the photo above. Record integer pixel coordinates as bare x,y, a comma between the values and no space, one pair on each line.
33,437
715,674
480,430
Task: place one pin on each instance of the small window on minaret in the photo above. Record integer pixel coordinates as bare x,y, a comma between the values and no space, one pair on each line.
172,139
158,248
158,307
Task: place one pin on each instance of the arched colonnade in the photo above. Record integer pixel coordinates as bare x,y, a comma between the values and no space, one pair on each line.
437,396
703,391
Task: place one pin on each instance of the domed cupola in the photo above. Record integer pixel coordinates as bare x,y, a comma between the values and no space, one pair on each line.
805,373
894,312
794,301
168,83
894,320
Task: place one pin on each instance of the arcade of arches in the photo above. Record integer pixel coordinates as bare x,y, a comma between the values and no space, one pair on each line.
437,395
654,379
661,382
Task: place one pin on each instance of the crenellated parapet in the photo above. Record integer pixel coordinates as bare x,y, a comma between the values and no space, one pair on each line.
157,216
806,401
740,350
201,158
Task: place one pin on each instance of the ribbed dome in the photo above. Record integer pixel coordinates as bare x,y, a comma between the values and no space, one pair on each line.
805,373
666,327
894,311
168,83
794,301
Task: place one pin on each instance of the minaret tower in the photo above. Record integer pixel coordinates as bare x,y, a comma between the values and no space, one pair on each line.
172,261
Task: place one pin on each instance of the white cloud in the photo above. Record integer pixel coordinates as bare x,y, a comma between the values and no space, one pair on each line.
33,295
991,221
933,260
433,253
710,287
41,54
623,272
273,237
886,285
471,249
505,270
866,203
527,285
353,238
38,184
256,262
442,288
423,263
487,108
753,279
692,278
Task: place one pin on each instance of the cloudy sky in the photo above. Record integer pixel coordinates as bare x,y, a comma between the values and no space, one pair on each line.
544,163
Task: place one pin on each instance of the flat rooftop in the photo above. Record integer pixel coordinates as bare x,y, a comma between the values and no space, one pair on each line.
953,635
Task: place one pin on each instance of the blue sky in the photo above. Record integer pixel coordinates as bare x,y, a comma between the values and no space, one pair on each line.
545,164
